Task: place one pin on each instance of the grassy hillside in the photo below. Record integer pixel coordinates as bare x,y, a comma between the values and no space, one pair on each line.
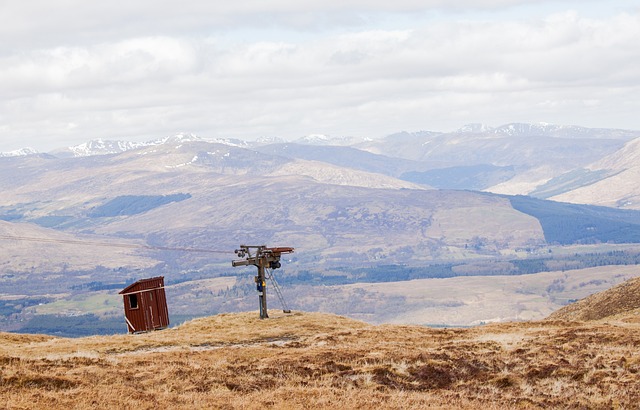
622,302
307,360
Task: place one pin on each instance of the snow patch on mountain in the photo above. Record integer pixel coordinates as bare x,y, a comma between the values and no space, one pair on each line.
560,131
175,139
184,164
105,147
19,152
314,139
102,147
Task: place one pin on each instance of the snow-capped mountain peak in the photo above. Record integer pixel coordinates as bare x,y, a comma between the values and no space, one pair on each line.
314,139
100,146
562,131
19,152
526,129
176,139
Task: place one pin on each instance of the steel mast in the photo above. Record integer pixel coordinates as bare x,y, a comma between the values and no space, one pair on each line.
262,258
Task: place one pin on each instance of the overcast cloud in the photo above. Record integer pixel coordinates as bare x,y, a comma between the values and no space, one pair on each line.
72,70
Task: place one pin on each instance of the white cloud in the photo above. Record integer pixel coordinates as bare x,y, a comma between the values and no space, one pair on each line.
365,80
124,62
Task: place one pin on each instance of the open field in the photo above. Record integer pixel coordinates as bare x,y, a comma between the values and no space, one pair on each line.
312,360
473,300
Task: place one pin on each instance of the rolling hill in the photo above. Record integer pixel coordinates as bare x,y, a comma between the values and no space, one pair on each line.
616,185
230,195
621,302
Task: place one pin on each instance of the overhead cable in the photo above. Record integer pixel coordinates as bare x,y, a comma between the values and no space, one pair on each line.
110,244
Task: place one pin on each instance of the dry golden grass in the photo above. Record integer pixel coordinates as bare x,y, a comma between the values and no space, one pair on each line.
312,360
621,302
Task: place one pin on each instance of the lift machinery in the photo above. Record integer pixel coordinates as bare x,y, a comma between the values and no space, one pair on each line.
263,258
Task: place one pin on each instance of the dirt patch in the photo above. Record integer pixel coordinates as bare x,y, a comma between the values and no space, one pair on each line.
37,382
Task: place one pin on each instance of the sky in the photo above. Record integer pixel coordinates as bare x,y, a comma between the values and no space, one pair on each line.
76,70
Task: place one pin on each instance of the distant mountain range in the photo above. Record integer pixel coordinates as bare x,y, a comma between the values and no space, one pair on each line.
78,223
548,130
106,147
565,163
231,195
345,203
101,146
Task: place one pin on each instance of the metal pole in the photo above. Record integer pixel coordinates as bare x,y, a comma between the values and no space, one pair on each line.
264,258
262,295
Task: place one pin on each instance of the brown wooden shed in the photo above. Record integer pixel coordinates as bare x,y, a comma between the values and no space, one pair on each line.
145,305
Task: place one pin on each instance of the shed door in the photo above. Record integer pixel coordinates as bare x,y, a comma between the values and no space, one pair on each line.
152,305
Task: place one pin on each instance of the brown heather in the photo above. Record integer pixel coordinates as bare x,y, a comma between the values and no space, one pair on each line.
313,360
620,302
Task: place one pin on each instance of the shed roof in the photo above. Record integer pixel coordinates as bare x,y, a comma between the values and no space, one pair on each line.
143,284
